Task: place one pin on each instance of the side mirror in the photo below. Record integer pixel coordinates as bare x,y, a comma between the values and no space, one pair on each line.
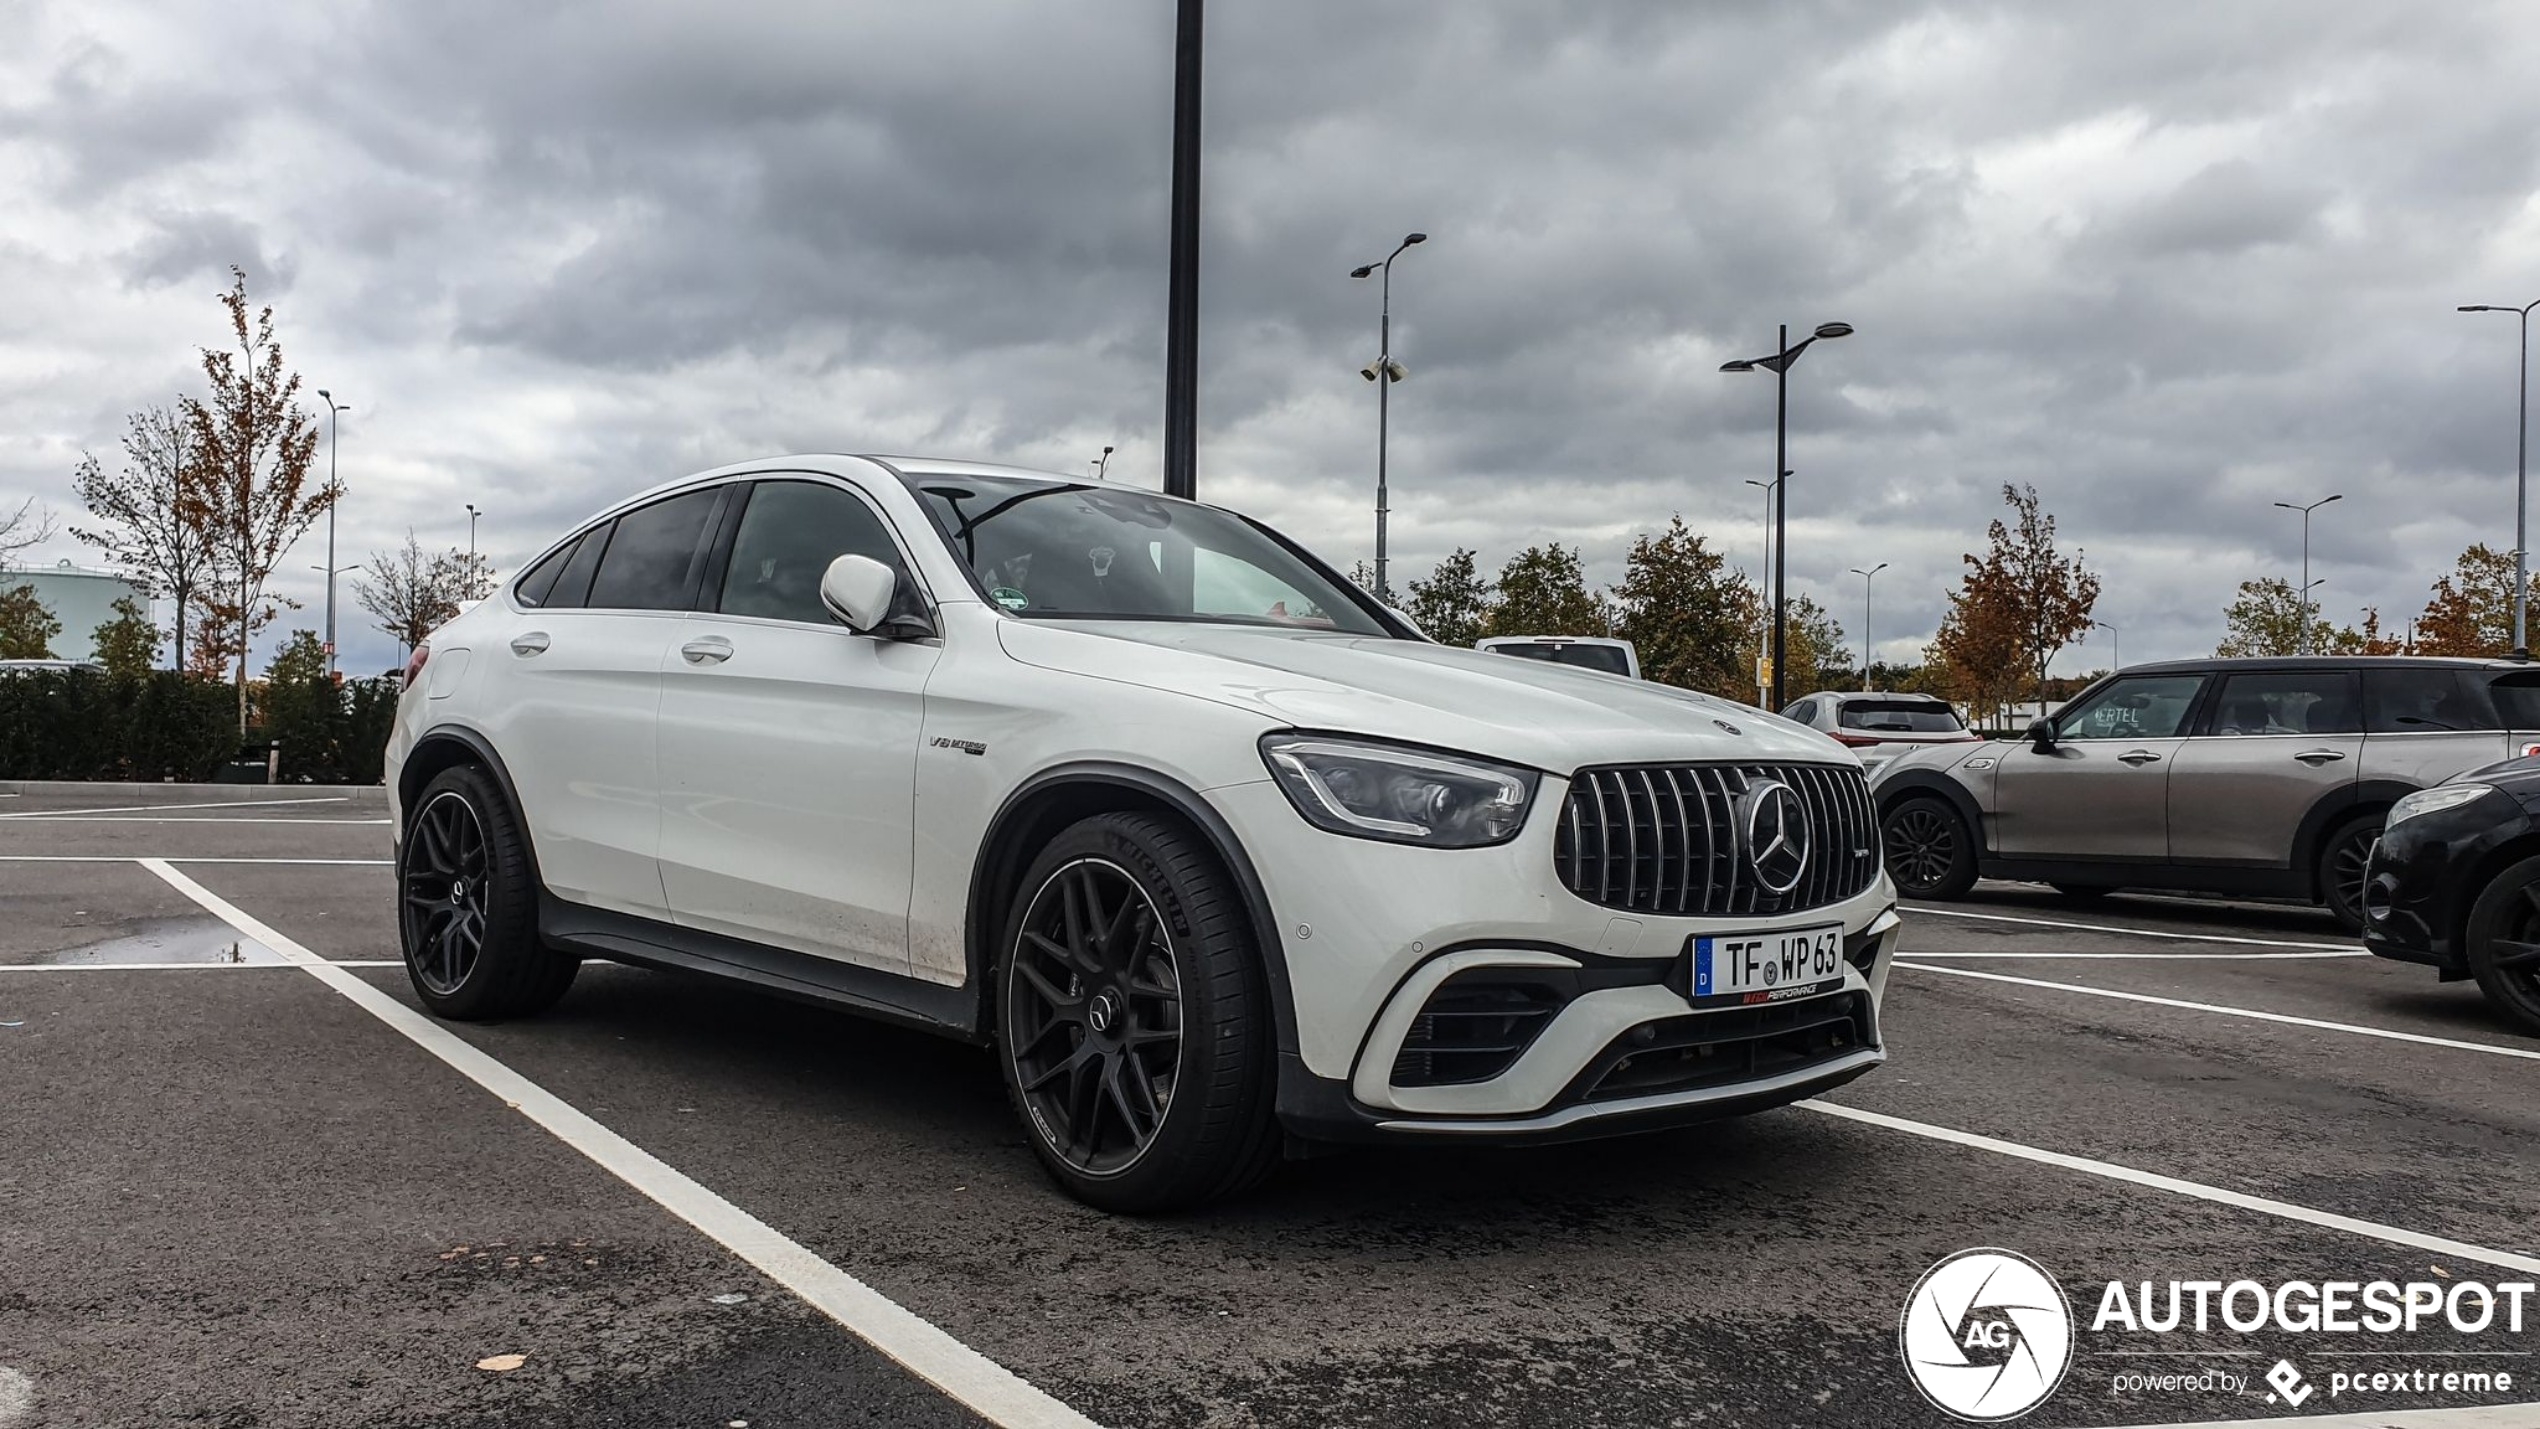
2041,735
869,597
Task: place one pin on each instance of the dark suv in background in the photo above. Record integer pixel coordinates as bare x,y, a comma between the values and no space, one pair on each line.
2264,778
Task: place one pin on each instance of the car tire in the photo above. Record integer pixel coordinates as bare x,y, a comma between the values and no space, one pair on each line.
467,906
2502,940
1133,1019
2083,892
2344,855
1931,853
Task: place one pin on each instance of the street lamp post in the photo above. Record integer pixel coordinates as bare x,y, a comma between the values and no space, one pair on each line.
1764,577
2302,646
1866,684
2522,448
1384,372
1102,465
472,582
332,408
1181,301
1779,364
2115,661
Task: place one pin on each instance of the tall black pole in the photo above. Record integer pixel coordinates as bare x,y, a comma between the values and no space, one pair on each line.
1384,410
1181,324
1781,517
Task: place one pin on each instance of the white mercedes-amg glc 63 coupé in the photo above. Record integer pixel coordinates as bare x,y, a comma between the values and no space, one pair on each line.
1221,857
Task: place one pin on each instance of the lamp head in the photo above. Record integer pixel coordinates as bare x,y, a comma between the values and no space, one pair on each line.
1395,372
1740,365
2480,308
2338,497
1362,270
326,394
1368,372
1834,330
1410,238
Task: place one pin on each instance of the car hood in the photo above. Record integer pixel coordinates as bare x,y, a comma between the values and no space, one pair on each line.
1552,717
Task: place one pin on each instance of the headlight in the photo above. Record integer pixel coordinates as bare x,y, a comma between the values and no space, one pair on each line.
1410,796
2435,800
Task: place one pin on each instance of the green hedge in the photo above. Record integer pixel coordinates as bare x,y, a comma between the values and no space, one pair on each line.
78,724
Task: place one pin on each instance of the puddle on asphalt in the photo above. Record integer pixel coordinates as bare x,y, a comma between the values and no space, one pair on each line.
166,940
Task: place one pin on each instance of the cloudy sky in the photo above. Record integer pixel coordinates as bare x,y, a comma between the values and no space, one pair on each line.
2171,263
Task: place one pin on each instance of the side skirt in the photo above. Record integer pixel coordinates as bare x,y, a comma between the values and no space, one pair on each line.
645,942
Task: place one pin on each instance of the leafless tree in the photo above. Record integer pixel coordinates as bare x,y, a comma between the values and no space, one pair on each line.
29,525
412,593
152,528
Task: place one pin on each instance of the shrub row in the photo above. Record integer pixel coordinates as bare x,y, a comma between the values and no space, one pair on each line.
160,725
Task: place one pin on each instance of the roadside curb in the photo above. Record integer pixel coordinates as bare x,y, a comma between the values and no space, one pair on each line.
363,794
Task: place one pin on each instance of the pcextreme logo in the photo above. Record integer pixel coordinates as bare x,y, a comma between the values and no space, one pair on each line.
1986,1335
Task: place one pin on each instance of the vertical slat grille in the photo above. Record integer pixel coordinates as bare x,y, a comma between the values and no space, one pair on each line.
1664,839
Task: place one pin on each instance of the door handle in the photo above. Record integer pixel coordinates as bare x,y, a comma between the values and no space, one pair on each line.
2317,757
2138,757
532,643
711,650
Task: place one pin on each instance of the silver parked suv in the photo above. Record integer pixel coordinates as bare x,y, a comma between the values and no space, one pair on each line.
2264,778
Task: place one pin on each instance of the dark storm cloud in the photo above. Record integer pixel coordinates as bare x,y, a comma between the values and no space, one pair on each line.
2170,265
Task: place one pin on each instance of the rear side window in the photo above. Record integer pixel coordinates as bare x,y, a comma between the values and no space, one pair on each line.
1803,711
2517,699
1899,717
573,584
651,561
2423,702
533,587
789,534
2289,702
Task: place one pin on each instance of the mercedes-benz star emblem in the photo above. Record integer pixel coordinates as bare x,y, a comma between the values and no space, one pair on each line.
1100,1014
1775,823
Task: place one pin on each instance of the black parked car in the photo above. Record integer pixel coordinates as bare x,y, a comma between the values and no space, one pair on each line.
2455,884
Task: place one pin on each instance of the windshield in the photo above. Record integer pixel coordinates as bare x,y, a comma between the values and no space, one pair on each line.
1899,717
1060,549
1608,658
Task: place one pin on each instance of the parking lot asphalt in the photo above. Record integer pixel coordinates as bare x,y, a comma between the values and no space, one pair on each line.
239,1195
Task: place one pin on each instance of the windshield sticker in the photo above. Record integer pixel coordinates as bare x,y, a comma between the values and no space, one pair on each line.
1010,598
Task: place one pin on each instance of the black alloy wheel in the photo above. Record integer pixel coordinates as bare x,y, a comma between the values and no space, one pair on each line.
1929,851
467,905
1094,1011
1133,1015
445,893
2503,942
2343,860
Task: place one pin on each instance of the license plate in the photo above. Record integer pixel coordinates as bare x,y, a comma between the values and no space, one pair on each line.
1767,967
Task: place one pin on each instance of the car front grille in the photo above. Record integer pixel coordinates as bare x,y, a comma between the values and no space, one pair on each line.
1715,1049
1665,838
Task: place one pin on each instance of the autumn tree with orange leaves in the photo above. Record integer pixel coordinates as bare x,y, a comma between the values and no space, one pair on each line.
2019,603
2472,612
255,446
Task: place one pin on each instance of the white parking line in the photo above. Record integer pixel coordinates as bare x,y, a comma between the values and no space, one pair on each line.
187,858
2285,1210
2218,1009
985,1387
185,967
145,808
2130,932
2153,957
149,819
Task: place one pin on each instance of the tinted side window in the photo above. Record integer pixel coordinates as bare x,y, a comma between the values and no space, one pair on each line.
2289,702
2136,707
1804,711
573,584
541,578
789,534
2517,699
649,561
2421,702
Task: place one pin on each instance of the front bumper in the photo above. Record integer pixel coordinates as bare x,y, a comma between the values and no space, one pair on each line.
1602,1036
2418,887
